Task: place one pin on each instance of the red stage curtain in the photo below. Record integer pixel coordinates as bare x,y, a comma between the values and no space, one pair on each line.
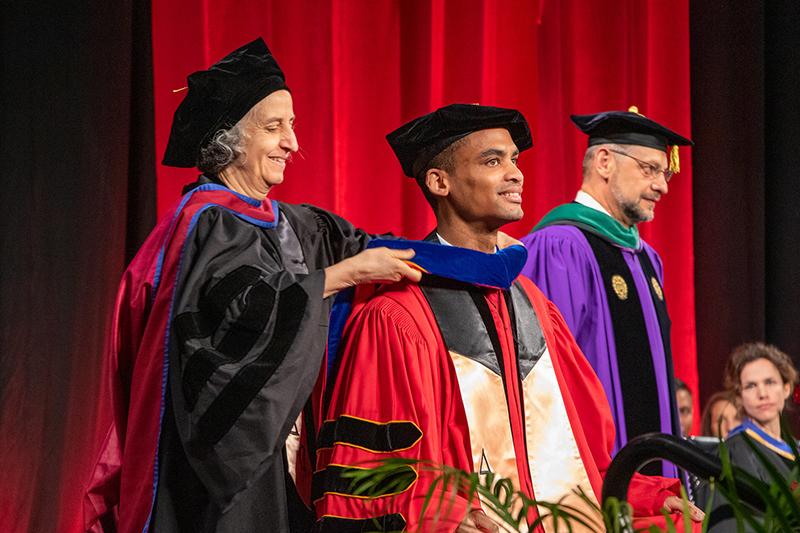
360,68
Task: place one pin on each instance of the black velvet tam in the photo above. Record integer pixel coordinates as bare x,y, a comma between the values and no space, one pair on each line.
627,127
219,97
419,141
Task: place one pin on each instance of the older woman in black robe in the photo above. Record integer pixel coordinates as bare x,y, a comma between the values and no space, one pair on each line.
221,321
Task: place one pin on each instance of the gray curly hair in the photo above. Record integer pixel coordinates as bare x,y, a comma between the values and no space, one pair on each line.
225,147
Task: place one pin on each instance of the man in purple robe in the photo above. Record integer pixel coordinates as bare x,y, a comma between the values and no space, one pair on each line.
588,258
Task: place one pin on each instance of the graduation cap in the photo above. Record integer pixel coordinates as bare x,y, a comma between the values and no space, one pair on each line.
219,97
416,143
631,127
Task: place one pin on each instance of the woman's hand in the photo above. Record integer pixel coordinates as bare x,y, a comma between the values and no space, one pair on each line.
673,504
370,266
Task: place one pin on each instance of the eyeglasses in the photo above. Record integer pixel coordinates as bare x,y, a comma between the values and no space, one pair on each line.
649,170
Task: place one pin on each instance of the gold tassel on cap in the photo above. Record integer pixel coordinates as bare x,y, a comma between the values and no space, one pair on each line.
674,159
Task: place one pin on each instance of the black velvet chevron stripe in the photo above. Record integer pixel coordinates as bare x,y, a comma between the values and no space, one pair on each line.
245,385
196,325
193,325
248,327
219,297
330,480
372,436
235,344
199,369
335,524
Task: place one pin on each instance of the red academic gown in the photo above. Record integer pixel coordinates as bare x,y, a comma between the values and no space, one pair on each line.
396,374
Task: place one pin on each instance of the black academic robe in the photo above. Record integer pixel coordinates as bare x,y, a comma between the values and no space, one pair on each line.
722,519
219,334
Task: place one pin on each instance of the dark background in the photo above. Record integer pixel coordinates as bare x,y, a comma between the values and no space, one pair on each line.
745,67
79,197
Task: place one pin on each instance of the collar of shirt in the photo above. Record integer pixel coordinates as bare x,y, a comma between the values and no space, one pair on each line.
442,241
584,198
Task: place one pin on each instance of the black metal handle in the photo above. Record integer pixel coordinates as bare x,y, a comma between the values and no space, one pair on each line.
653,446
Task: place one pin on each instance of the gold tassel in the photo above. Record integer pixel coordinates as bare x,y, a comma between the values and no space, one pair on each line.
674,159
179,90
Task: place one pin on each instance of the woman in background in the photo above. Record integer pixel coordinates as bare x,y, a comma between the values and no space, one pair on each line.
720,415
762,378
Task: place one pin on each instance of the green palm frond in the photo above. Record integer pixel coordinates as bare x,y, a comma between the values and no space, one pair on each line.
497,495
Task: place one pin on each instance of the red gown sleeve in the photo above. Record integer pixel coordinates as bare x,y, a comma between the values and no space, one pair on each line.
394,396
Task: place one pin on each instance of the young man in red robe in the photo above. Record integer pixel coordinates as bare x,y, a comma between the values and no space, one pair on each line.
474,368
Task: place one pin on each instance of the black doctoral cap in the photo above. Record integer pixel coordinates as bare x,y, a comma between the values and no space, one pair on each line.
219,97
416,143
631,127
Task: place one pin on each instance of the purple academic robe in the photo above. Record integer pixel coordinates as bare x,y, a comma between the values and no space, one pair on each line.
564,264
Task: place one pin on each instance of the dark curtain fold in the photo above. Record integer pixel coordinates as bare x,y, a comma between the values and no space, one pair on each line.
727,47
141,155
782,173
746,124
78,197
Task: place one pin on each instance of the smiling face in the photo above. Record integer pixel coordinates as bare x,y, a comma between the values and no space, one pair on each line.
269,142
763,391
635,194
485,185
